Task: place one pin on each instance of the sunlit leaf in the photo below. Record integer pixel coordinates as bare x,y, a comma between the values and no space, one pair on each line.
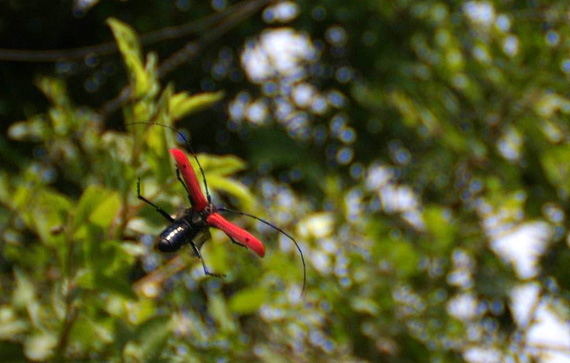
220,312
364,305
107,265
440,228
268,355
152,336
317,225
10,324
34,129
104,213
140,311
221,165
248,301
49,210
182,104
24,293
159,159
98,206
132,56
235,189
83,332
557,168
41,346
56,90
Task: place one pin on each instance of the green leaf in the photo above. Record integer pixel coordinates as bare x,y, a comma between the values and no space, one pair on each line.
6,195
365,305
41,346
405,257
182,104
401,253
221,165
91,279
557,168
158,158
89,200
158,140
118,173
248,301
56,90
219,310
114,284
152,336
140,311
34,129
106,266
440,227
163,113
24,293
85,279
10,325
97,205
492,275
104,213
83,333
130,49
235,189
47,210
268,355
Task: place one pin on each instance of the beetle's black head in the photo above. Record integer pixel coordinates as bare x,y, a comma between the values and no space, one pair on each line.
210,208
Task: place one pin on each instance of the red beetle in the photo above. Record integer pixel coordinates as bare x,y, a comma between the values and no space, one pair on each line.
192,227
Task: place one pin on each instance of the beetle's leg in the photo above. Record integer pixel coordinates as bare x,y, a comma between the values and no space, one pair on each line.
206,271
157,208
183,184
237,243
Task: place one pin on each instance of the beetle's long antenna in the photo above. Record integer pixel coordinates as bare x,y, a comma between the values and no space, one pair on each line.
279,230
189,148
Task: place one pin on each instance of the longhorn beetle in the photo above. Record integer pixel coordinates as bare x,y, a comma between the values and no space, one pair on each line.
192,227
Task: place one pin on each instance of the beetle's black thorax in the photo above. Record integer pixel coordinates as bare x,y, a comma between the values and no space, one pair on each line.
189,227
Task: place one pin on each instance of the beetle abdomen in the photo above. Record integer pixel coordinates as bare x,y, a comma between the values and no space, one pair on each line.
175,236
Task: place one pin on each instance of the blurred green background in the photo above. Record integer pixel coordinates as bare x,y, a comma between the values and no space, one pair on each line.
418,151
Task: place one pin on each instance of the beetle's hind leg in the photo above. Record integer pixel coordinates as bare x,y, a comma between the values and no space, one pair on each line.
206,271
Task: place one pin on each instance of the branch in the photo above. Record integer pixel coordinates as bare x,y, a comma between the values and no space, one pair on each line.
173,32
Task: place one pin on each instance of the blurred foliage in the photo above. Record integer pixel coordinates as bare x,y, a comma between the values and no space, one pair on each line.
434,137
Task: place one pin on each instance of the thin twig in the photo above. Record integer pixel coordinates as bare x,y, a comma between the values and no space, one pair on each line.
56,55
70,311
161,274
565,349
